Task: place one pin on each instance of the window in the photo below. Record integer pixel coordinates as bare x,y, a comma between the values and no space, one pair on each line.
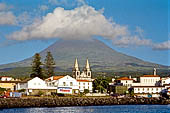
126,81
88,83
34,83
64,83
148,89
88,73
71,83
83,83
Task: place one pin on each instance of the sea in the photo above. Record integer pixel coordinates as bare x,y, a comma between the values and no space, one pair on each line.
94,109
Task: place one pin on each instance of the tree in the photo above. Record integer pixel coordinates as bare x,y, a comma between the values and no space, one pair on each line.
101,84
36,67
49,64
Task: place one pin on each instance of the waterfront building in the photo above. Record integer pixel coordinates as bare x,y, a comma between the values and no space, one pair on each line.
8,85
6,78
125,81
148,91
165,81
8,82
85,78
64,84
35,86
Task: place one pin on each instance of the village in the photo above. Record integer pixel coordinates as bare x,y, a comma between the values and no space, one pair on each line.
81,83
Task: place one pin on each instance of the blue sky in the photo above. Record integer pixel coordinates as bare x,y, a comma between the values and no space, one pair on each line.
135,27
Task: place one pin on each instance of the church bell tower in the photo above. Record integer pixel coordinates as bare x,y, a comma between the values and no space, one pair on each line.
76,70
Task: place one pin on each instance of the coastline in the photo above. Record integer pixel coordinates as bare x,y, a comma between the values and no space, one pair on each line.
77,101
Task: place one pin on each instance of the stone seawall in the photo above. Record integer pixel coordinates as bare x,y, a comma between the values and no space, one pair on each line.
76,101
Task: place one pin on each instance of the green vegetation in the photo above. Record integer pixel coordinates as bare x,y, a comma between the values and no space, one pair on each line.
36,67
49,65
101,84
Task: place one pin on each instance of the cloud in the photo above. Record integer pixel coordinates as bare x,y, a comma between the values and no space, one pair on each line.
43,7
7,18
80,23
132,41
162,46
2,6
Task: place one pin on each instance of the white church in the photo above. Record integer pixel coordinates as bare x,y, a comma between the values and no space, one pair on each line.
83,78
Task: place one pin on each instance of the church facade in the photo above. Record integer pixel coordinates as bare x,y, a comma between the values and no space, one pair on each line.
83,78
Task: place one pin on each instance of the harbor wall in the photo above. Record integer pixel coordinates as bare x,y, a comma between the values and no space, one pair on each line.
76,101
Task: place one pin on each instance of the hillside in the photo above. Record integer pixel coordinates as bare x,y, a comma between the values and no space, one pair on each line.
101,57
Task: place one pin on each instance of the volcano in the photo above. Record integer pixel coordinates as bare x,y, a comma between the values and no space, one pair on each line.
101,57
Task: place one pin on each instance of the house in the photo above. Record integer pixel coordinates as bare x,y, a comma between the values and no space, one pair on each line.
6,78
149,80
165,81
85,78
125,81
148,91
85,84
64,84
8,85
35,86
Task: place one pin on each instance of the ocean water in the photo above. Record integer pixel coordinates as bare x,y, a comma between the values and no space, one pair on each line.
94,109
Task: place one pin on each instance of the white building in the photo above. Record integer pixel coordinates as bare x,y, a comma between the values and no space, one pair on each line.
85,78
125,81
146,91
149,80
165,81
6,78
64,84
85,84
33,86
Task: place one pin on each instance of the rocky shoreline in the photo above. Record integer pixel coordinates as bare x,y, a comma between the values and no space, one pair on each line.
77,101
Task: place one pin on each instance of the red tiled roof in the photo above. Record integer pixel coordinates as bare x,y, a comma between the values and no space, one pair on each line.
124,78
150,76
83,81
57,77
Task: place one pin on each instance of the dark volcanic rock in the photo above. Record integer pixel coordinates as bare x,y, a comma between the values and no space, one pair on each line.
76,101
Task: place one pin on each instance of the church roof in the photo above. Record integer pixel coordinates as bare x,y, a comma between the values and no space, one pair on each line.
83,80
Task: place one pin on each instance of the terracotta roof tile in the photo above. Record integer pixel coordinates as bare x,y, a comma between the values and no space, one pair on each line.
124,78
83,81
57,77
150,76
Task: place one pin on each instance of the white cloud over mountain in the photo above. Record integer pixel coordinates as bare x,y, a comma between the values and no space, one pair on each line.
82,23
162,46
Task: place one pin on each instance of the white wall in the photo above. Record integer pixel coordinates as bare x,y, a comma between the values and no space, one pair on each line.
85,85
36,83
149,81
148,89
127,83
165,81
